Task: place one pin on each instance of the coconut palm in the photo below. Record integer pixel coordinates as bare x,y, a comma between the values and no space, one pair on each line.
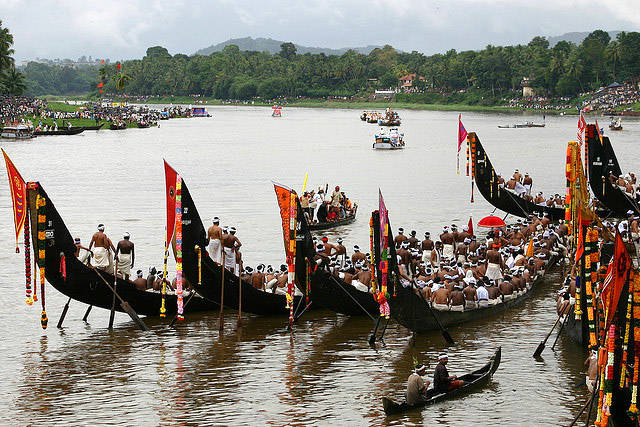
6,41
14,82
613,53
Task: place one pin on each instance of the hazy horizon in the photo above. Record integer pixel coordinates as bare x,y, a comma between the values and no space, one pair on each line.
124,30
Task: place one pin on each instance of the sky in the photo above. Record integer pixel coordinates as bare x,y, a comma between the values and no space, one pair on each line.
119,29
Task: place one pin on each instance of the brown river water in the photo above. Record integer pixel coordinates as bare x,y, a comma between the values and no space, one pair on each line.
324,372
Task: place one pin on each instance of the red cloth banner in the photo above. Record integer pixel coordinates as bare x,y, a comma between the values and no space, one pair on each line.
18,196
170,177
620,267
283,194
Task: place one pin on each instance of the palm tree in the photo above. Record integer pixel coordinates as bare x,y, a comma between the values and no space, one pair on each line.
121,81
575,68
6,40
14,82
612,53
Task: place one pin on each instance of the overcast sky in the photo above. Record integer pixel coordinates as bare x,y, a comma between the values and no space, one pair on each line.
120,29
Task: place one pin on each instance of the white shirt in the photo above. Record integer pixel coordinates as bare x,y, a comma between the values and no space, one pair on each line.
482,293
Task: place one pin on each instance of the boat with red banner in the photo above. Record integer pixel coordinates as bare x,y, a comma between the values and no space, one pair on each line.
276,111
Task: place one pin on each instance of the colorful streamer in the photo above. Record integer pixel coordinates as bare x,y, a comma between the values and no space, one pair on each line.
42,222
180,314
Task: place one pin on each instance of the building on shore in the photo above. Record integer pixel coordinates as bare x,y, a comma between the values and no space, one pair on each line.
527,90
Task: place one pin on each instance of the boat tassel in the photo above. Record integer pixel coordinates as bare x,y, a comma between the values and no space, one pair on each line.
163,308
372,261
63,266
608,380
603,185
180,315
625,342
42,220
308,282
633,408
292,255
467,158
199,252
27,257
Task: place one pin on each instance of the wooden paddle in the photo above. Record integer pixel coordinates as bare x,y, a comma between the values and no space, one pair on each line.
125,305
86,314
113,303
239,295
64,313
372,337
544,342
445,333
564,322
221,320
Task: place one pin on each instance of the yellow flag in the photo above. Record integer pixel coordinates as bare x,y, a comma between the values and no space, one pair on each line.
530,248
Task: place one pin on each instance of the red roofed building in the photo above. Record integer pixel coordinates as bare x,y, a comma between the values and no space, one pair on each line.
407,82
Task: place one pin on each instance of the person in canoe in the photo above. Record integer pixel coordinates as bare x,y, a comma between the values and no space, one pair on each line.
442,381
102,248
416,385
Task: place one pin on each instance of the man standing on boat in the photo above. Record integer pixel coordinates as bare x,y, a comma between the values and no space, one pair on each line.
231,244
126,251
417,386
214,241
442,382
82,253
102,247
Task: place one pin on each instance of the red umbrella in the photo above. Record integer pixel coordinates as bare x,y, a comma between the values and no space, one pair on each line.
491,222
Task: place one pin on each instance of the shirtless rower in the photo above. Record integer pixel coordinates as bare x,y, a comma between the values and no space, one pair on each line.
231,244
440,299
340,251
329,249
102,247
140,282
517,176
125,256
427,246
527,182
82,253
413,240
436,256
457,299
357,255
494,263
447,240
258,278
214,241
400,237
470,295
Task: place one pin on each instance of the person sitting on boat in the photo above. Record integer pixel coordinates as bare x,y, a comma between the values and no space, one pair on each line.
140,282
506,289
364,276
442,382
482,295
517,176
151,278
214,241
441,297
125,256
321,260
103,246
357,255
83,254
417,386
323,211
469,291
457,298
257,278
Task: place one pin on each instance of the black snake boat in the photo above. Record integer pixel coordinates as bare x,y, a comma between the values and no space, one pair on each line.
473,381
70,131
83,283
603,163
487,181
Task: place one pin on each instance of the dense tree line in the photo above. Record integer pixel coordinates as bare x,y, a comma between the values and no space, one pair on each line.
561,70
11,80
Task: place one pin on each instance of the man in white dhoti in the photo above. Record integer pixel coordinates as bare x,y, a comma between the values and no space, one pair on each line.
125,256
82,253
494,265
231,244
101,251
447,240
214,241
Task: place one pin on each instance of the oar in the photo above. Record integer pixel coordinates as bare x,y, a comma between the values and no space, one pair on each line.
372,337
86,313
351,296
384,329
113,303
564,322
544,342
445,333
125,305
221,320
64,313
239,295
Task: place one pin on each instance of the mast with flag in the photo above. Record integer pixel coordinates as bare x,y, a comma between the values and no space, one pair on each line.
462,136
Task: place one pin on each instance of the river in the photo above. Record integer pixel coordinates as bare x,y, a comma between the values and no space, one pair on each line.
324,372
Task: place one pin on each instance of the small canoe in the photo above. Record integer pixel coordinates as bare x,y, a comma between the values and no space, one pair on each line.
143,125
117,127
473,381
71,131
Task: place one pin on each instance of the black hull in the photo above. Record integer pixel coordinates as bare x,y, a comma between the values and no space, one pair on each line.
336,295
72,131
116,127
253,300
602,162
474,381
97,127
83,283
410,311
328,225
143,126
487,182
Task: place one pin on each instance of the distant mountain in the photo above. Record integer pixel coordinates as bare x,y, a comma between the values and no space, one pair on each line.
577,37
273,46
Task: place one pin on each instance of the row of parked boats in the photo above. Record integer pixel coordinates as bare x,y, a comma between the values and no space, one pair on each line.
22,131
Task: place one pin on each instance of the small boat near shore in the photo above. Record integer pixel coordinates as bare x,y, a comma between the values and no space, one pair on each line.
331,224
473,381
69,131
522,125
118,126
615,124
16,132
96,127
391,140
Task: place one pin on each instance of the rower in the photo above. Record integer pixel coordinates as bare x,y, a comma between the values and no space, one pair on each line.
417,386
440,297
447,241
413,240
442,382
231,244
82,253
457,298
214,241
427,246
329,249
357,255
341,251
102,247
494,262
482,295
151,278
124,262
258,278
400,237
140,282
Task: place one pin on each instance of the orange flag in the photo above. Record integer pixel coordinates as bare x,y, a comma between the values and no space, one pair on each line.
100,84
283,194
118,65
530,248
18,196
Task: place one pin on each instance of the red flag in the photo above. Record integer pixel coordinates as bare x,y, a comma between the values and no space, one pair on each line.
118,65
102,62
100,91
100,84
18,196
580,247
619,269
581,125
170,177
462,136
599,133
283,194
470,226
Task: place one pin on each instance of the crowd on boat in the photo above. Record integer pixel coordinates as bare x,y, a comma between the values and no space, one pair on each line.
626,183
13,109
458,271
522,186
319,207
